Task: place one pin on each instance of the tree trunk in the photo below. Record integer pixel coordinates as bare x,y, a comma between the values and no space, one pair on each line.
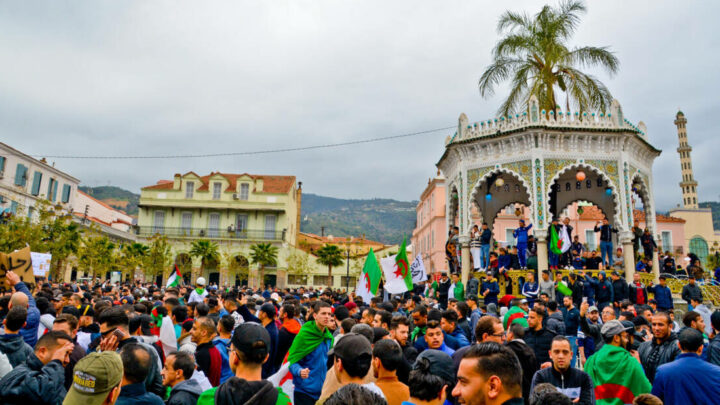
330,279
261,276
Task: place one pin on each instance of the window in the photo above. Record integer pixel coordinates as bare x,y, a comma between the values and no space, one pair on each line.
186,223
244,191
509,238
31,211
666,239
66,193
241,225
510,210
37,179
159,222
216,191
297,279
432,238
52,190
345,281
189,189
323,281
590,239
13,207
270,226
699,246
2,164
21,175
214,225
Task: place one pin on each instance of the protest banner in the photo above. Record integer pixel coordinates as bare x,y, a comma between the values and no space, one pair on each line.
19,262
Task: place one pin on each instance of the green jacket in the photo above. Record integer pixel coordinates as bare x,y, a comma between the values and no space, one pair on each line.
459,291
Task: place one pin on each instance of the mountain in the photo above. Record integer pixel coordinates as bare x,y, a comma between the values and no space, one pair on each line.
115,197
383,220
715,207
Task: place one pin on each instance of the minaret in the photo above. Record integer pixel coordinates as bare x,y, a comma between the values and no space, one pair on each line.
688,183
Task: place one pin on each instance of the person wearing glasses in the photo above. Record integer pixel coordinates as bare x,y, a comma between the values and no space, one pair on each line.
488,329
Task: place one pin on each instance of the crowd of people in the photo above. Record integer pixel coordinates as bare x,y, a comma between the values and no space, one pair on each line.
576,340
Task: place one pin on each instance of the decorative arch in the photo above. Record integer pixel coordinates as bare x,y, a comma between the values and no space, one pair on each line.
494,172
644,193
617,219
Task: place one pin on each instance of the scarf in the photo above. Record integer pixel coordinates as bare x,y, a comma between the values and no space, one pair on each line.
307,340
417,331
199,291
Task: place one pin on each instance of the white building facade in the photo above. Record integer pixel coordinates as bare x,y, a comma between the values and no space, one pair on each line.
25,180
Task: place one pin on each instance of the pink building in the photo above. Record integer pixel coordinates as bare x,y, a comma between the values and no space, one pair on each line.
430,233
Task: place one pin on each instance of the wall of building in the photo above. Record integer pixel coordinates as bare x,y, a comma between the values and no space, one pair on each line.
430,233
99,211
25,180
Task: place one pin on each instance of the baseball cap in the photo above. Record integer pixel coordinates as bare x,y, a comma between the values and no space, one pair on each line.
614,327
94,376
350,305
200,281
523,301
365,330
440,364
247,336
471,297
269,309
352,345
593,308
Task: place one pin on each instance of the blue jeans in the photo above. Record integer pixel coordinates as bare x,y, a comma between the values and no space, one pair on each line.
573,346
606,248
522,252
484,256
553,258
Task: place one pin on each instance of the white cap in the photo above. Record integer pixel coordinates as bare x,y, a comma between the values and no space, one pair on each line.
200,281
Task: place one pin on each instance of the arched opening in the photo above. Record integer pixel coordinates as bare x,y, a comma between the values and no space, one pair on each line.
184,263
239,269
699,247
586,249
583,183
642,215
212,272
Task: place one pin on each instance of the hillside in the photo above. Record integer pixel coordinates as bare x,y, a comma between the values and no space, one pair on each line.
115,197
715,207
383,220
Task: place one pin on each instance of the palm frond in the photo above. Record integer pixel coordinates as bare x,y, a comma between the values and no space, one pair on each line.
514,45
588,56
511,20
519,85
499,71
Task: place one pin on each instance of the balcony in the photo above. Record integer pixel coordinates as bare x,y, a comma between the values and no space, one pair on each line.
205,233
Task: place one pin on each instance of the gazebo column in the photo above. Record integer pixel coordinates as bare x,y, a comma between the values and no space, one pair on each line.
656,263
542,250
626,239
465,257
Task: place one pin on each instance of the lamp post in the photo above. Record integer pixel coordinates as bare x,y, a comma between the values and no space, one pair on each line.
347,273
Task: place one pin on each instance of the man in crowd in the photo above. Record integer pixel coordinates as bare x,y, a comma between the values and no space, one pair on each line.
620,290
179,367
96,380
207,356
448,322
538,337
489,374
387,358
571,316
488,329
691,291
434,339
353,358
250,348
663,295
114,331
490,289
136,365
443,290
23,298
308,355
200,292
614,371
572,382
603,291
289,329
700,308
688,379
525,354
40,379
606,244
68,324
637,291
12,343
713,350
662,349
430,379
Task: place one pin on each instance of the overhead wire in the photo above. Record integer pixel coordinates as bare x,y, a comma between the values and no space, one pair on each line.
247,153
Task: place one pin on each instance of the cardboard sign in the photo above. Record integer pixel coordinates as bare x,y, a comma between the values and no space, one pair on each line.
20,262
40,263
417,269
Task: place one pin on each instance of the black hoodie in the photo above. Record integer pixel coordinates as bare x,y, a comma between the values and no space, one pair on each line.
236,391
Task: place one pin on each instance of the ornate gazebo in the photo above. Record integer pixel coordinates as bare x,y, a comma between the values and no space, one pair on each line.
538,155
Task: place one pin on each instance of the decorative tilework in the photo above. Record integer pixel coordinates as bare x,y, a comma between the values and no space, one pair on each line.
473,175
628,209
609,167
523,168
539,195
553,166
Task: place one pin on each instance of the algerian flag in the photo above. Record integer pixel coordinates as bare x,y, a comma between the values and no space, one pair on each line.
174,279
398,278
369,278
559,244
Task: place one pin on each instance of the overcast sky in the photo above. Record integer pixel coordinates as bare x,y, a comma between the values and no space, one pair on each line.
171,77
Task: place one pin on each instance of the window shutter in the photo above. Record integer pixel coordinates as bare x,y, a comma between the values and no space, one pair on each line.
50,186
54,191
13,207
2,163
66,193
37,178
20,179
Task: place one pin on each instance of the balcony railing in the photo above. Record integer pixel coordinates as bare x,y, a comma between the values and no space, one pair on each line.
200,233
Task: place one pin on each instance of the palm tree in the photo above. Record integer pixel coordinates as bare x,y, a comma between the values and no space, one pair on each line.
206,250
535,56
330,255
263,254
133,255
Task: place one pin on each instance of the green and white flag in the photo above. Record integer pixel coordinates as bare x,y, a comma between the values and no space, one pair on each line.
369,278
559,243
174,279
398,278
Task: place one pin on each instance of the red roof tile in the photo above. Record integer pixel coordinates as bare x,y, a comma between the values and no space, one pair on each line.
271,184
102,203
639,216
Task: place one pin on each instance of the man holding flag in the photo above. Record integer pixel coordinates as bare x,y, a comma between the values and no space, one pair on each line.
398,277
559,243
174,279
